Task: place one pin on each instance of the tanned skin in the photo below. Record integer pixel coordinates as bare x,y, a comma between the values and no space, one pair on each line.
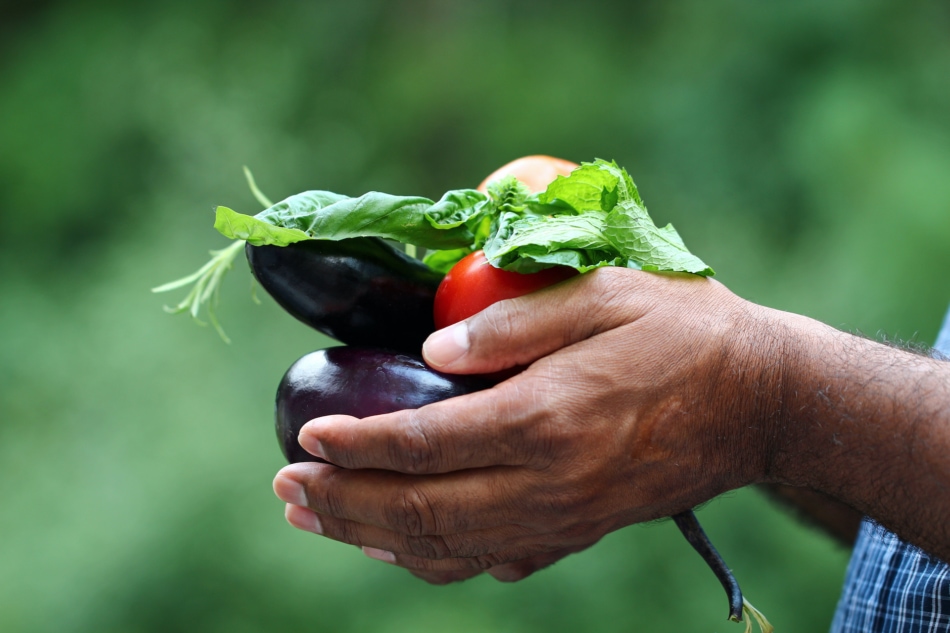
645,395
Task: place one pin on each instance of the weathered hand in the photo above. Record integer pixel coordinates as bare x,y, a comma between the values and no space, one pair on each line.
642,399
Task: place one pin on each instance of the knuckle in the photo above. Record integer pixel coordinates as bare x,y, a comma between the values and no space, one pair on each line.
469,548
610,285
414,451
429,547
561,445
348,532
411,513
499,323
487,561
543,446
328,501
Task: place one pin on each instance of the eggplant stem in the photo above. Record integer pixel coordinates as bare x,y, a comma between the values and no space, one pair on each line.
693,531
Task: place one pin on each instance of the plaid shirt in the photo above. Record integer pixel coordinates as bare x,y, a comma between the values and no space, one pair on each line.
892,586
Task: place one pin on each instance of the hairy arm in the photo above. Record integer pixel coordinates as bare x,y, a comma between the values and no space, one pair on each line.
868,425
836,518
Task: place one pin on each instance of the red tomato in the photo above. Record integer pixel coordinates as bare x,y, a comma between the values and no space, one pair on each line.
473,284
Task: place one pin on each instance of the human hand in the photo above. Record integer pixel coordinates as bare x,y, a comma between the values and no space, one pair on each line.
644,397
536,172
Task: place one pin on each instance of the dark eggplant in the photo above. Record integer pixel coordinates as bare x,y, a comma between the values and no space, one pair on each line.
359,382
360,291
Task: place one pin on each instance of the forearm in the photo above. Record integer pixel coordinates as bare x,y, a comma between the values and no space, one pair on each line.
868,425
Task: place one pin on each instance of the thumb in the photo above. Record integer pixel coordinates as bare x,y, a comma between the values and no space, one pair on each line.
520,331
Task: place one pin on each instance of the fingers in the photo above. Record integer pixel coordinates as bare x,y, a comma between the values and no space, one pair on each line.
307,520
413,506
520,331
489,428
387,545
433,559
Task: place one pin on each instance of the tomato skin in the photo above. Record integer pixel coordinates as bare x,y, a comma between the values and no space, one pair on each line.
473,284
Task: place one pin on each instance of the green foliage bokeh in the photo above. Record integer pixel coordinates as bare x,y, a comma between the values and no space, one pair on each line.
802,149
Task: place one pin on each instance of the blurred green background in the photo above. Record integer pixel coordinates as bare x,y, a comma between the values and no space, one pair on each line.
802,149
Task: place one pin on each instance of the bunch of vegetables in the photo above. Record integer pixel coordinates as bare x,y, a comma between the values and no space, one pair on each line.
329,260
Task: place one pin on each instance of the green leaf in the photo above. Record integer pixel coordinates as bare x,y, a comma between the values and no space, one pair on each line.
508,194
238,226
326,215
590,187
634,235
536,237
593,217
626,189
443,261
458,208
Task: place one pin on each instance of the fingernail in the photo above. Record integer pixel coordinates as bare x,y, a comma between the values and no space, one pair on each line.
289,490
447,345
303,519
308,441
380,554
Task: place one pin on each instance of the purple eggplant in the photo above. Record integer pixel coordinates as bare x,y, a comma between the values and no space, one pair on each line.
360,291
359,382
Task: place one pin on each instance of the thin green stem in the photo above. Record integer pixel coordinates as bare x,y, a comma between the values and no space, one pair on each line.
206,286
254,190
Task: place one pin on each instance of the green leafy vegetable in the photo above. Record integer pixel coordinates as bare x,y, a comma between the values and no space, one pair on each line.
591,218
588,188
330,216
247,228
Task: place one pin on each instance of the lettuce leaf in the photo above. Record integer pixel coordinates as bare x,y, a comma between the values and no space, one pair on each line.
593,217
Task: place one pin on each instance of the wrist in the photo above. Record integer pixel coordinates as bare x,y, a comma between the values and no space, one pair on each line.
752,378
822,414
